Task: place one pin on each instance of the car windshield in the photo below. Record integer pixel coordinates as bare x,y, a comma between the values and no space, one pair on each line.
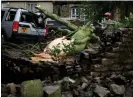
2,14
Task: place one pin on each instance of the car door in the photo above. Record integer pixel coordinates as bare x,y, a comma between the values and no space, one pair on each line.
27,24
8,20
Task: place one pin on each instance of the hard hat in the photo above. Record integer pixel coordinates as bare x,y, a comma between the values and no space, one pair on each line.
107,14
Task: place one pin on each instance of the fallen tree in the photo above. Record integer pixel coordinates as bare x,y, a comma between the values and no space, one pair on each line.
55,17
62,47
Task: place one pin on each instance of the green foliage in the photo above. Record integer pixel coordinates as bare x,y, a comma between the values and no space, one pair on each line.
81,37
55,51
94,10
67,50
126,22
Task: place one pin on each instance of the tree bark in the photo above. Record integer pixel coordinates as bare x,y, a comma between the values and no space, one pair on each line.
54,16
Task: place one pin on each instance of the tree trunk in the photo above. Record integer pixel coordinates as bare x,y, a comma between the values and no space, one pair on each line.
57,18
117,14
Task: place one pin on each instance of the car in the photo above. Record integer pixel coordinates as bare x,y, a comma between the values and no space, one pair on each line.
20,23
56,24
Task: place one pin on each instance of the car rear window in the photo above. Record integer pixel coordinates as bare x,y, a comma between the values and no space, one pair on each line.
2,14
11,16
26,17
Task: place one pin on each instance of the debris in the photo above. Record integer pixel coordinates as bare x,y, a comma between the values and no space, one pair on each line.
129,92
62,46
112,55
118,79
70,61
94,74
84,80
10,95
118,89
43,55
52,91
101,91
36,59
98,80
106,61
67,94
128,74
67,79
12,88
75,92
116,49
66,83
32,88
84,86
91,51
4,90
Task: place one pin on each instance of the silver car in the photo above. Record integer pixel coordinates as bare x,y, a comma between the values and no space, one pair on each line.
18,22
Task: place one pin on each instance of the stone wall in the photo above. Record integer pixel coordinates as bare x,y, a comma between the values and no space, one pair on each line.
120,57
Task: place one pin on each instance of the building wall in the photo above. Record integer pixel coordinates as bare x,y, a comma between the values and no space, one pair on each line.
17,4
46,5
63,11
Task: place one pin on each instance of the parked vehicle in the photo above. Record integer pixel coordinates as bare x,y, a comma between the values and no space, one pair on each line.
20,23
55,24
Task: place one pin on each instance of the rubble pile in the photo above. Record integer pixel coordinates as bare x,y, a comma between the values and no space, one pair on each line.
108,76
